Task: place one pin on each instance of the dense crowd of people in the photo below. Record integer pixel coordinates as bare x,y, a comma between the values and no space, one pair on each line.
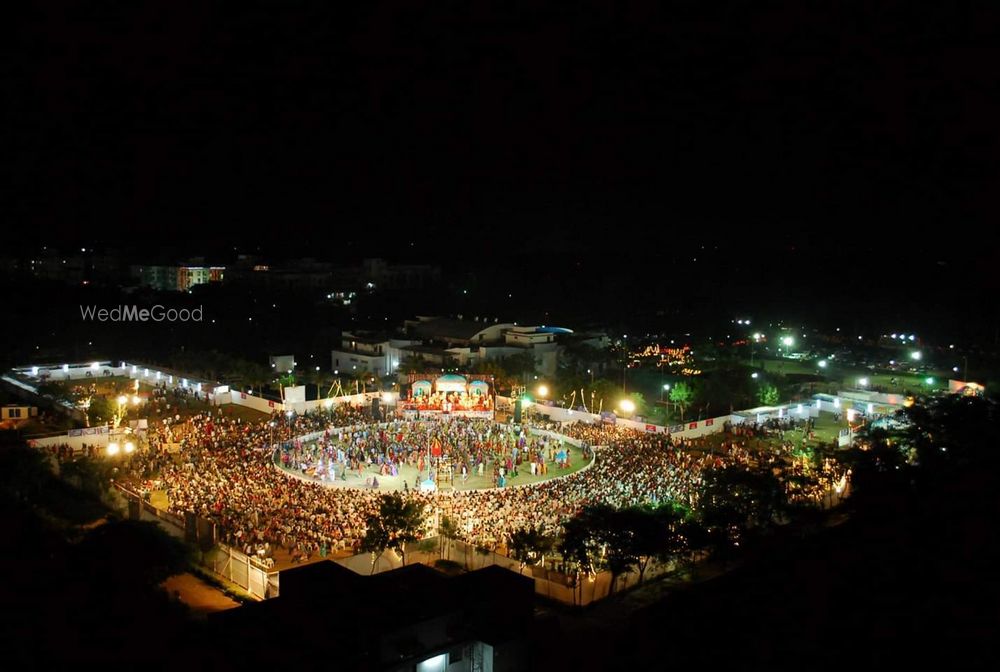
235,473
437,449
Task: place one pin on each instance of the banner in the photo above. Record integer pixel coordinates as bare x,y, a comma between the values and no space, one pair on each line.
609,417
651,428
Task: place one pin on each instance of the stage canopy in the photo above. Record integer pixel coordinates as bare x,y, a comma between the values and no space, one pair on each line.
479,388
422,388
450,383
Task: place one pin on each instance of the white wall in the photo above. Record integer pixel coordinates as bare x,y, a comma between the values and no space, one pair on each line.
256,403
76,438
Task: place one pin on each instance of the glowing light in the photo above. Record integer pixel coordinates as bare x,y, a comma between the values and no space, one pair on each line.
95,365
916,355
135,400
113,448
328,403
129,447
627,405
863,382
788,340
754,375
822,363
122,400
66,368
929,380
543,390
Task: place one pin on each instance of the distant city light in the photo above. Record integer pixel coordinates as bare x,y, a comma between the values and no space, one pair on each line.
754,374
822,363
916,355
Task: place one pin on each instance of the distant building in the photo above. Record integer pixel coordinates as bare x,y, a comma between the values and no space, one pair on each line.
369,352
282,364
178,278
383,275
83,266
16,412
409,619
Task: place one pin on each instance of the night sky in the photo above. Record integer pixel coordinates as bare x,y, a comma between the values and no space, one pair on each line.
831,140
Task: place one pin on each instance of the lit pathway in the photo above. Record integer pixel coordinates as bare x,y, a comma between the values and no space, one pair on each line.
199,596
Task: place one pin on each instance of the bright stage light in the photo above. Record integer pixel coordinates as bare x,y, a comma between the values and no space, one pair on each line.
916,355
627,405
112,448
543,390
129,447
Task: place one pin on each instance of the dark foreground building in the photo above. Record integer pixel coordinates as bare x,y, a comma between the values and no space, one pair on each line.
412,619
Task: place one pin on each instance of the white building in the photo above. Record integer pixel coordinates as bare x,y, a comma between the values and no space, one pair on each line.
370,353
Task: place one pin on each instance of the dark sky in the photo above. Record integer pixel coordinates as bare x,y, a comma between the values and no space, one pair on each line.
834,127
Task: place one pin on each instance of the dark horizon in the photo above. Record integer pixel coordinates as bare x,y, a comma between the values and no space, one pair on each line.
649,128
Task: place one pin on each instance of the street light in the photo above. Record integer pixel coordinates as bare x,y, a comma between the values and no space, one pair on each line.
822,363
627,405
788,341
863,382
754,375
915,355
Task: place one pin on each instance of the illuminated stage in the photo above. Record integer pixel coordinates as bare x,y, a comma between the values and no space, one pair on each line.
449,394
